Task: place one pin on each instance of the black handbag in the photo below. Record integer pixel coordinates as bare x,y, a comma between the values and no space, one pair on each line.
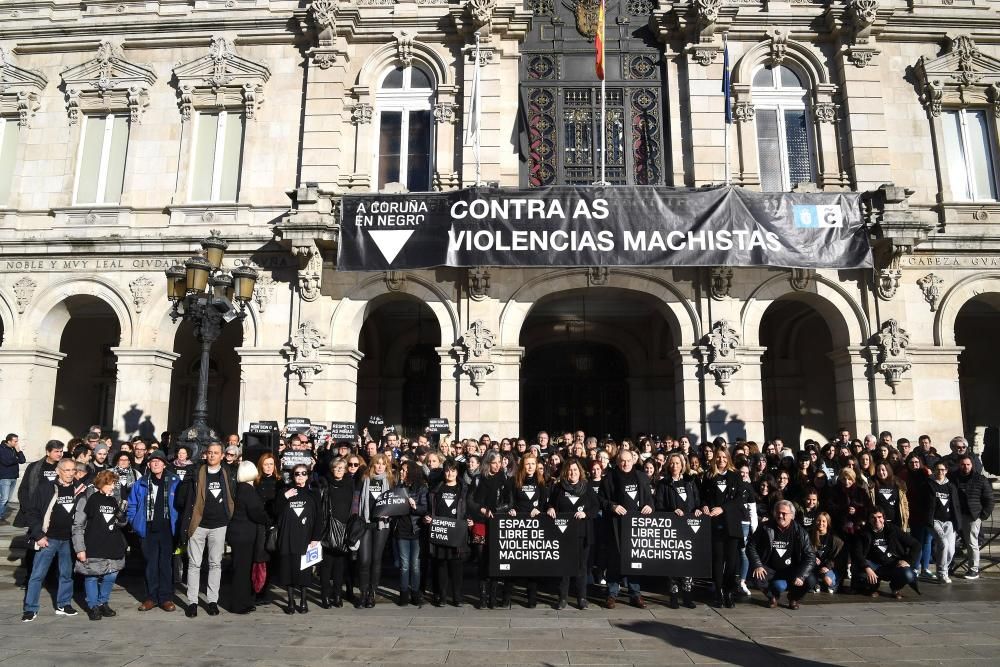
333,537
271,541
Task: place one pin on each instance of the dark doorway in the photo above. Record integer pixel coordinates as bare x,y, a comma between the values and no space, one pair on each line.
977,327
223,379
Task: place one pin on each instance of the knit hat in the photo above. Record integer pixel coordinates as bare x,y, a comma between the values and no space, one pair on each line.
156,454
101,448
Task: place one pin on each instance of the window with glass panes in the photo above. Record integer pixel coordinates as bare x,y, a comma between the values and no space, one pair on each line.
405,129
8,155
560,98
969,150
784,144
218,154
100,170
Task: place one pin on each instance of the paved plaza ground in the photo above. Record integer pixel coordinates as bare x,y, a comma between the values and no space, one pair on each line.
959,624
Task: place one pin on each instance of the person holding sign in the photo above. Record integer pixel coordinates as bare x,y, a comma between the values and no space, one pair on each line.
377,480
490,497
300,526
625,490
529,497
573,494
782,557
448,500
678,493
722,499
408,533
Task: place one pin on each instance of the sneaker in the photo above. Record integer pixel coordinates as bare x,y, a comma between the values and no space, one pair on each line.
928,574
943,577
107,611
29,616
213,609
94,614
65,611
973,573
743,589
816,588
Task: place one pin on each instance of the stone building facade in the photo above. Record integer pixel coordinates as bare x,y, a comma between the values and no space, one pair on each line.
131,129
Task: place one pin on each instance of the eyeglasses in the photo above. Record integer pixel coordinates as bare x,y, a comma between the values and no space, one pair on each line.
301,473
353,465
230,454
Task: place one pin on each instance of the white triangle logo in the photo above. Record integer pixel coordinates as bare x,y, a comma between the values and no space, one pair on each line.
631,494
216,492
573,499
682,492
943,501
448,502
297,510
695,527
530,494
781,552
881,548
561,527
390,241
107,517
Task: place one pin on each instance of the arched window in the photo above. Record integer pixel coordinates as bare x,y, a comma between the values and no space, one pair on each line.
402,150
784,145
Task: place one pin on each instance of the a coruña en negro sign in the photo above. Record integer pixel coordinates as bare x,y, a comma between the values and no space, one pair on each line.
602,226
663,544
533,547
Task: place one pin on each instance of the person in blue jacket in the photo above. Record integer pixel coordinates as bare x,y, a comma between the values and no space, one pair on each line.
153,516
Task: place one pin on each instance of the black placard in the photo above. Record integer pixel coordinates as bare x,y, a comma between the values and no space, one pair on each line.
298,425
343,431
663,544
394,502
602,226
263,427
291,458
533,547
447,532
438,425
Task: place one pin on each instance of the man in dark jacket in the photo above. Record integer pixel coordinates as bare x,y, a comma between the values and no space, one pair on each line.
782,557
153,517
42,470
207,498
49,514
11,459
959,448
883,552
975,497
625,490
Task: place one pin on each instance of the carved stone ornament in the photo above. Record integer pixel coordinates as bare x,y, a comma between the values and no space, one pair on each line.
19,89
263,289
722,362
141,288
743,112
444,112
310,276
220,80
597,276
302,351
888,282
107,83
825,112
707,11
361,113
862,56
475,345
404,47
863,13
395,281
930,285
779,45
24,290
799,278
322,13
704,54
481,12
962,76
892,360
722,282
479,283
587,15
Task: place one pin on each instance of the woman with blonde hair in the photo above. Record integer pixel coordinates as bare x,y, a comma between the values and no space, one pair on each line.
678,493
722,499
377,480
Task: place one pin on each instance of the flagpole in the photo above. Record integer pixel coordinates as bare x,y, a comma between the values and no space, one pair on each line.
476,145
603,131
726,123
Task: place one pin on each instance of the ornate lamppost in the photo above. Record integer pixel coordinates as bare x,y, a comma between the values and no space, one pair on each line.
208,297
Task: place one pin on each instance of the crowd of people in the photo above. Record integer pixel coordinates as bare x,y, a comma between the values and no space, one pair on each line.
863,511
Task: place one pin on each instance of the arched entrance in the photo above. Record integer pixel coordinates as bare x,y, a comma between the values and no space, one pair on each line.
399,377
599,360
976,328
799,386
87,376
223,379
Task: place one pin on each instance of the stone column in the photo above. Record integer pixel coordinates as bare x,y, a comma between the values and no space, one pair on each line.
688,404
496,407
736,409
333,394
262,398
865,133
27,392
450,387
850,371
142,394
936,390
325,135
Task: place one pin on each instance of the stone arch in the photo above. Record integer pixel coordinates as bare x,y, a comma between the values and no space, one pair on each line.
355,307
798,56
48,315
844,316
677,310
951,303
6,319
388,56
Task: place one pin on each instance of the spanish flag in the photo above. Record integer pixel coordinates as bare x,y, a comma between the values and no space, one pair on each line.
599,44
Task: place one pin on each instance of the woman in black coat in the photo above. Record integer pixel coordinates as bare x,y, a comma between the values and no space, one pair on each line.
722,500
448,499
338,499
678,493
529,497
248,515
488,499
572,494
266,485
300,526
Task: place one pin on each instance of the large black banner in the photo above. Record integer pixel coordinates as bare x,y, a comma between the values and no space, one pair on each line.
533,547
663,544
602,226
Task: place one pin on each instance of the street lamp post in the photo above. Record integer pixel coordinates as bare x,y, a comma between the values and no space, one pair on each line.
208,297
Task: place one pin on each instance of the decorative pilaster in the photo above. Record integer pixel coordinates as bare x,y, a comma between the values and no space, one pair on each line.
475,345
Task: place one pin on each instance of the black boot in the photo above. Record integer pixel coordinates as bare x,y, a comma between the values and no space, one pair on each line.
417,599
532,596
290,592
688,604
303,607
369,599
404,598
338,601
483,595
673,597
505,595
562,603
719,602
727,600
492,601
324,602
